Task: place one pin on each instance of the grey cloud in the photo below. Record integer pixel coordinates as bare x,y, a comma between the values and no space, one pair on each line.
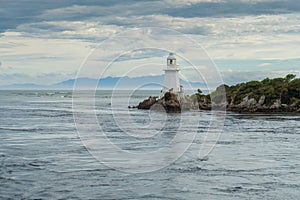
142,54
79,30
165,21
234,8
15,13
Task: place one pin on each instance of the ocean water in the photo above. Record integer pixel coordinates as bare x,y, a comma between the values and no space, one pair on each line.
44,154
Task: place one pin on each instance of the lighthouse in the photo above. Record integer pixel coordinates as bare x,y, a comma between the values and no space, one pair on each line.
171,80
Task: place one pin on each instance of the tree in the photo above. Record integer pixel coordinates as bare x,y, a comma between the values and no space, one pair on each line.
266,81
290,77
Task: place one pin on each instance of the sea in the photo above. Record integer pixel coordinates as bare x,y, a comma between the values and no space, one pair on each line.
89,145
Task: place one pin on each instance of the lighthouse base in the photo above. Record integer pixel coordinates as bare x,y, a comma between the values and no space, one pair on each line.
171,103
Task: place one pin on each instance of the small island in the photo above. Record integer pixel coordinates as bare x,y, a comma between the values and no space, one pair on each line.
266,96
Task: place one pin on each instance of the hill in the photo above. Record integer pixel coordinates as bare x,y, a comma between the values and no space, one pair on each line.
154,82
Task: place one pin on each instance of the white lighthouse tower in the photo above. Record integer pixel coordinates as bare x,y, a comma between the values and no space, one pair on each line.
171,81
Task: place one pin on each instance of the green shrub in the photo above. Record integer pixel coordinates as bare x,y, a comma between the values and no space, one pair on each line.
285,89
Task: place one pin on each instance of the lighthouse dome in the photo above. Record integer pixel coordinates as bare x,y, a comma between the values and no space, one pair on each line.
171,60
171,56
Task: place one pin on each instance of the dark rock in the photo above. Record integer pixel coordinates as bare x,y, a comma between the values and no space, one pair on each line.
170,102
172,106
146,104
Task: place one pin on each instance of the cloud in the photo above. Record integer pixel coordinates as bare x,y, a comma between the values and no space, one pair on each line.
31,55
12,78
77,30
264,64
55,37
231,8
16,13
183,25
139,54
186,3
203,67
228,31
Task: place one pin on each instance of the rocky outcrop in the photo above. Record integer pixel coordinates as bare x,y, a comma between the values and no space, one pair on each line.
170,102
261,100
249,105
171,105
276,105
147,103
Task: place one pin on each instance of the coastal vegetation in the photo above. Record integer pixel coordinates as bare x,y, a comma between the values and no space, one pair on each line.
284,90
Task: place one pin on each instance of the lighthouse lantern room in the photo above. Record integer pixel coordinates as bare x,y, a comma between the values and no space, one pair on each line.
171,80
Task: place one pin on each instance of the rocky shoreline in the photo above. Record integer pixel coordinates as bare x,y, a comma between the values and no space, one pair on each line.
170,105
280,95
246,106
250,105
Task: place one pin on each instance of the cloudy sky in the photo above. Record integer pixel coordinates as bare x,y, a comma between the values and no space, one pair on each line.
45,42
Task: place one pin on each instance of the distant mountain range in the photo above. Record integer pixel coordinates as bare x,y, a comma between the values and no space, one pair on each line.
147,82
